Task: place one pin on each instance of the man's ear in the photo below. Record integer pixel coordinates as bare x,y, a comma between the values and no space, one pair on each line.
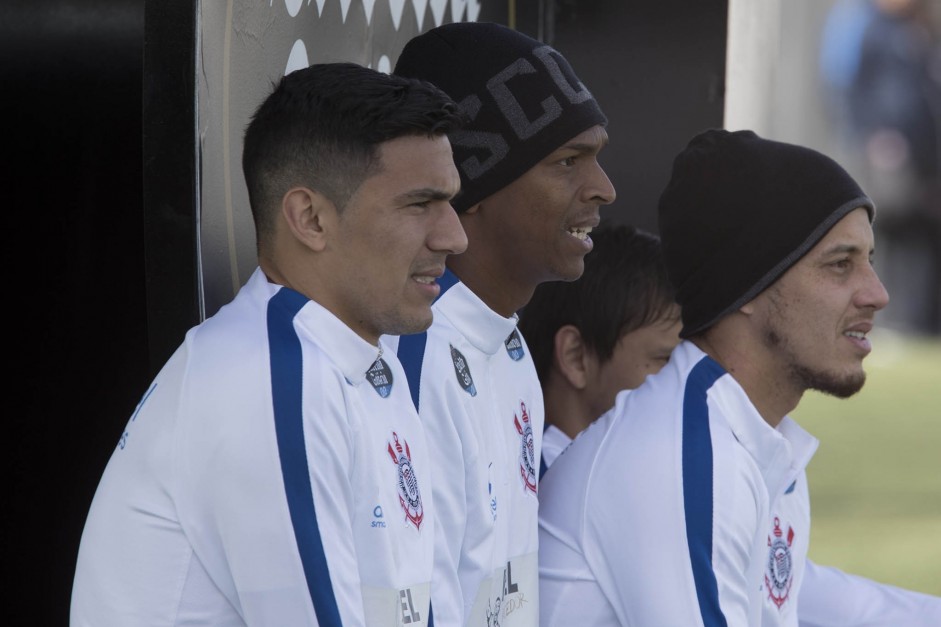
471,210
571,356
749,307
309,216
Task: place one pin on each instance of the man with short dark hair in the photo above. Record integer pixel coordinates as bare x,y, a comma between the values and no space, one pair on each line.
276,471
602,333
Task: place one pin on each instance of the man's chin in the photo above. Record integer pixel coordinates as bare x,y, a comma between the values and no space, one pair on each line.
840,386
415,324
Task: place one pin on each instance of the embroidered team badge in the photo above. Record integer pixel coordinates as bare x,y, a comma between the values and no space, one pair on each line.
514,346
779,573
380,377
409,494
527,457
462,370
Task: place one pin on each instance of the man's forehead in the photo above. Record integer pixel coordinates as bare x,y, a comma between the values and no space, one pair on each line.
590,139
851,234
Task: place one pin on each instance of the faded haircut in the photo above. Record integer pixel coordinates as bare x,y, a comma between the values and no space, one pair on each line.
321,128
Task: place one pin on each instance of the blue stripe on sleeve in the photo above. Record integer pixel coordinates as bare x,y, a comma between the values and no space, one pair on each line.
411,354
411,351
287,393
697,488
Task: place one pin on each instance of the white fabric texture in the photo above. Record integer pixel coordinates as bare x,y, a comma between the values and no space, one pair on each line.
554,442
575,587
628,538
482,407
263,430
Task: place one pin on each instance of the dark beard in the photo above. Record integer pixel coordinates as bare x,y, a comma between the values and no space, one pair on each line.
828,383
805,378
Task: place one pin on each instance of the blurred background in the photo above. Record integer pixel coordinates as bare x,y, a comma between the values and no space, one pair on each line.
875,481
113,109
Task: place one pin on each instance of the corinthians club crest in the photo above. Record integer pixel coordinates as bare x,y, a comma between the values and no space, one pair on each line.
409,494
779,573
527,449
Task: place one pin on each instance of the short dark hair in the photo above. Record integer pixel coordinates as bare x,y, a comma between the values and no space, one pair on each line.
624,287
321,127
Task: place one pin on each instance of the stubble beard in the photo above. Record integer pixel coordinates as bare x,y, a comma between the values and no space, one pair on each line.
805,377
401,323
840,386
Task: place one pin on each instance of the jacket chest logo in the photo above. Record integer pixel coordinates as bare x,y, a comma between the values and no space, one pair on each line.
409,494
779,572
527,448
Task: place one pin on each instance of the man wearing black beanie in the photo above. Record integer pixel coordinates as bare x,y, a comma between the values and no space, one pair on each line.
531,188
687,503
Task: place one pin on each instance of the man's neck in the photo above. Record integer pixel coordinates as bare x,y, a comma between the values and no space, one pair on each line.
768,389
566,410
495,288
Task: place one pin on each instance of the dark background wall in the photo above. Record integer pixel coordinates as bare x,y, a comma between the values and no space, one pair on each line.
100,257
658,69
70,93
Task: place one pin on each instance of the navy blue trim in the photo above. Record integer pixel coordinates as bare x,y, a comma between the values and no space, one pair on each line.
431,616
697,488
543,467
287,396
411,351
447,281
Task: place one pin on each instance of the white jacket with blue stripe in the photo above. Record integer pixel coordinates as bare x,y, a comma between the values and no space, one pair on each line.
275,473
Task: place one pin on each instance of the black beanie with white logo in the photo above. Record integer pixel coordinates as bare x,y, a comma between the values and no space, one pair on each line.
521,96
738,211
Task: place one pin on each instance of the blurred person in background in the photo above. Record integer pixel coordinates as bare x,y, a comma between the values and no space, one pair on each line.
881,63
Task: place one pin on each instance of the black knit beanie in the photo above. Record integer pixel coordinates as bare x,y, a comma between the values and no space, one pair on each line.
522,97
739,211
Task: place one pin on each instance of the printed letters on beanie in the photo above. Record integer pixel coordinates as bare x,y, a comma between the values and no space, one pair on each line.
523,99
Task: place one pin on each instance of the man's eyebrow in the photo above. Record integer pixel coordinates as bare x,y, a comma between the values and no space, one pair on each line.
422,195
845,249
584,146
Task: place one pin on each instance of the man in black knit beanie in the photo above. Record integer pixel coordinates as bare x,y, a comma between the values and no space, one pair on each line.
531,188
687,503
